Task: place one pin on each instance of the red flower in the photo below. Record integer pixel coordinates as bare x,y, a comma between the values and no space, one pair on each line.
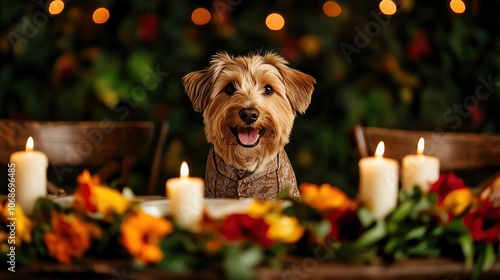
484,223
446,183
419,46
345,225
477,116
148,28
241,226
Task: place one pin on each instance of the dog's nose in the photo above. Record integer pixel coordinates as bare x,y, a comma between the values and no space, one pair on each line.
249,115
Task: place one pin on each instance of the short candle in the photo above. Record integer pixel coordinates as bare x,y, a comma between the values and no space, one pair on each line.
186,196
378,183
419,170
30,176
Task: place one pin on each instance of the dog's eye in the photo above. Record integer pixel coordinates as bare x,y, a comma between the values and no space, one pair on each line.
268,90
230,89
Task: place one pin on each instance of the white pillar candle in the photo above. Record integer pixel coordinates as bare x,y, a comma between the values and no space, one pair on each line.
186,199
419,170
30,176
378,183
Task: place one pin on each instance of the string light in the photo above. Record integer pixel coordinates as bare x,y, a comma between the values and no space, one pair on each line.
387,7
275,21
332,8
201,16
457,6
100,16
56,7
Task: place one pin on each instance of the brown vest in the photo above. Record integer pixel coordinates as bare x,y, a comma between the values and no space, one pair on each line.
224,181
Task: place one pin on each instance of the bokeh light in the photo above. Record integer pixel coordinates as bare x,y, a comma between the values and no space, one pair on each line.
457,6
331,9
388,7
275,21
56,7
100,16
201,16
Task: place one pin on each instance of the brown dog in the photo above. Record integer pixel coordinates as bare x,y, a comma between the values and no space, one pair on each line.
249,104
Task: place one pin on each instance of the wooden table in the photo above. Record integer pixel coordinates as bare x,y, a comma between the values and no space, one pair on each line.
296,268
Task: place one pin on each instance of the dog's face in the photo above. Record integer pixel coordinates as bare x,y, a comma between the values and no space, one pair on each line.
249,104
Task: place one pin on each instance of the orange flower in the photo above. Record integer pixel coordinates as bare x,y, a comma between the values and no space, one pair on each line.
23,225
86,178
140,235
95,198
325,197
70,237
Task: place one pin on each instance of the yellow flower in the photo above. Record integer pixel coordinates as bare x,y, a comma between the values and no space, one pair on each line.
258,209
70,237
23,225
283,228
92,197
141,234
325,197
457,201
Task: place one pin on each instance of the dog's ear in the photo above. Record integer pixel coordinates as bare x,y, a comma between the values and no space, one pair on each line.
198,84
299,86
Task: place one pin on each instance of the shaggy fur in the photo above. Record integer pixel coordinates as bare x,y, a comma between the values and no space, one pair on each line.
249,76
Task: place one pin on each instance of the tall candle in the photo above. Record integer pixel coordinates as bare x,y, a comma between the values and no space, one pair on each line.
186,199
30,175
419,170
378,183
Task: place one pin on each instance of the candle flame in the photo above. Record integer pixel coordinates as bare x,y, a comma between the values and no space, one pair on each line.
30,144
379,152
420,146
184,170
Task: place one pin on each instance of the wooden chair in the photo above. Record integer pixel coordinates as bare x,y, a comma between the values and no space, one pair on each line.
456,151
113,146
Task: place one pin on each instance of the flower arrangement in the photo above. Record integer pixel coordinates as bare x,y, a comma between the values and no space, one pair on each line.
449,221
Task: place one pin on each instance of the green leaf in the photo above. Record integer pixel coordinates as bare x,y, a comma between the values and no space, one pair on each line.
424,249
484,261
42,210
416,233
489,257
284,194
239,263
372,235
322,228
467,246
365,217
403,210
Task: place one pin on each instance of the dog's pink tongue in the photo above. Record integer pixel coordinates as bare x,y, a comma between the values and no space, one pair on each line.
248,136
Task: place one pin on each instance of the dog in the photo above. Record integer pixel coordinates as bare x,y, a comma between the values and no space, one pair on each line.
249,104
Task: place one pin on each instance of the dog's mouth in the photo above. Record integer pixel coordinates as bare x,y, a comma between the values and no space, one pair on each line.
248,137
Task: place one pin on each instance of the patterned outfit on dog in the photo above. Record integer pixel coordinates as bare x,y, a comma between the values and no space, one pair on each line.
224,181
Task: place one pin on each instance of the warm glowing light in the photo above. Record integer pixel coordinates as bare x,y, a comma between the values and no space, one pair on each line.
420,146
30,144
331,9
56,7
100,16
184,170
201,16
275,21
379,152
387,7
457,6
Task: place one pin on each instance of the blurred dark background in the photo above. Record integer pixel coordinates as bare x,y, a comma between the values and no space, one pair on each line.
417,69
